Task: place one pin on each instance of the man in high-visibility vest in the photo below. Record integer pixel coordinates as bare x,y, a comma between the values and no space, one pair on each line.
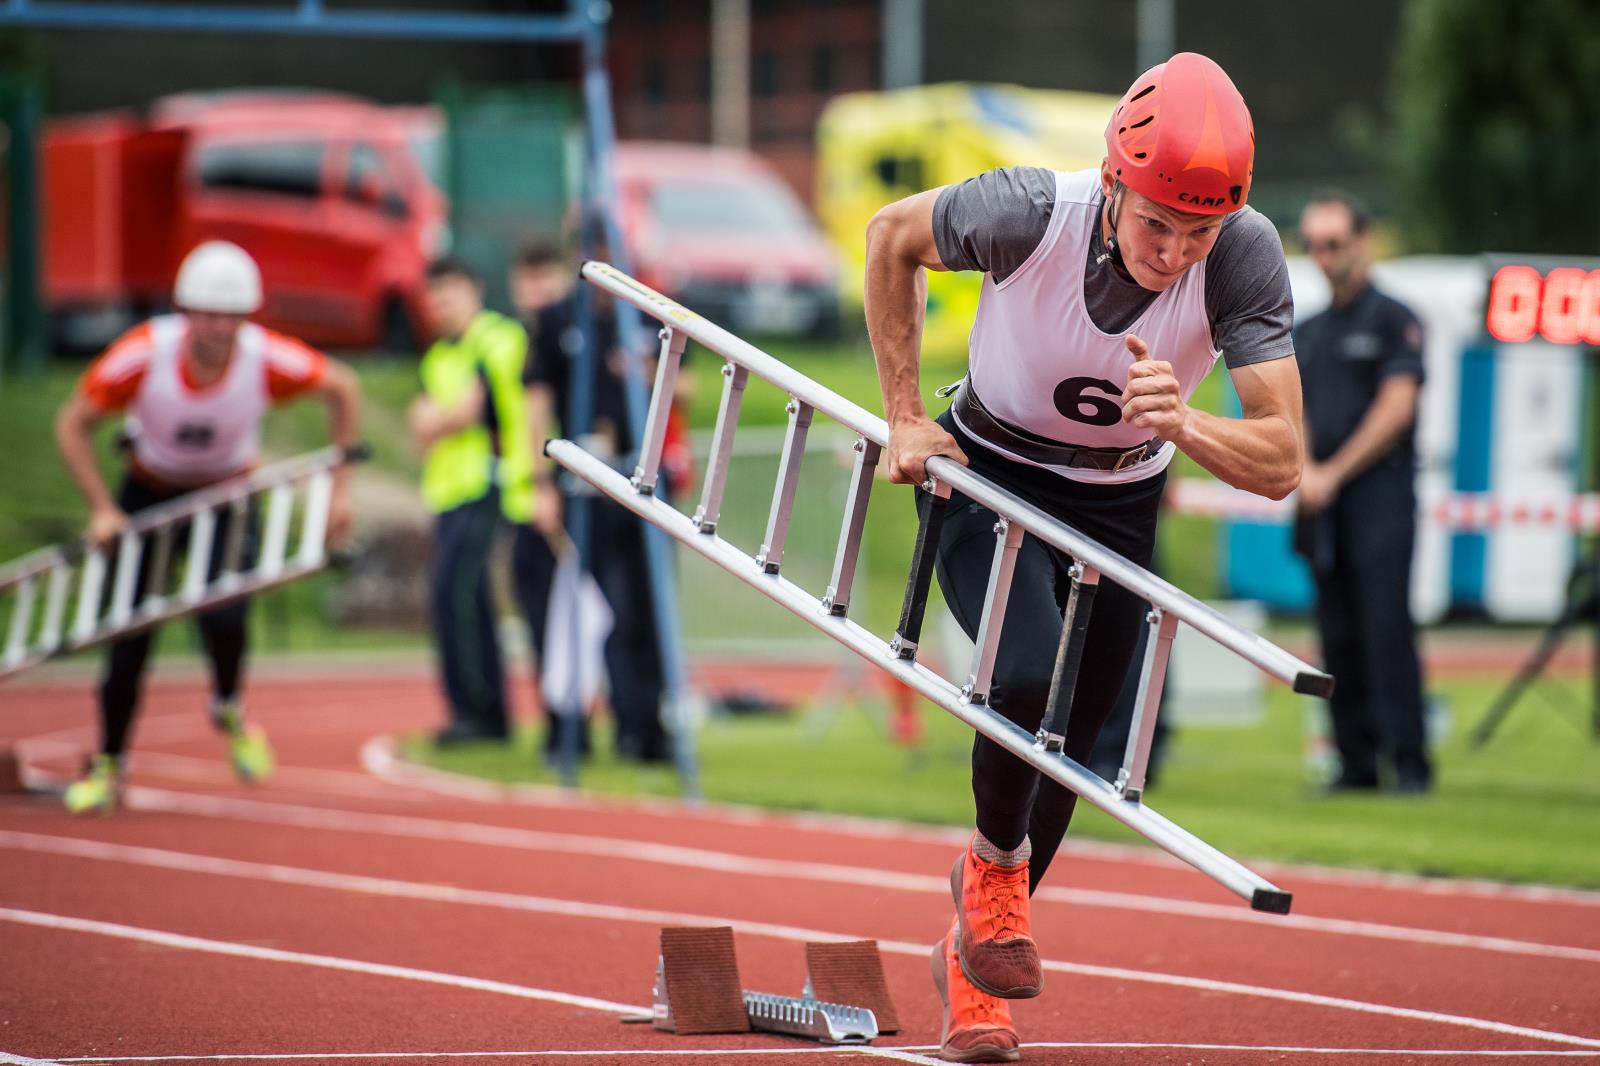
194,386
471,424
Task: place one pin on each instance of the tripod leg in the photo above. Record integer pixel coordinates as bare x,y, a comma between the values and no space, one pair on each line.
1531,669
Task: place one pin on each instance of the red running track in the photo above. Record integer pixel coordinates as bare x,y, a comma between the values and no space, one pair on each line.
356,911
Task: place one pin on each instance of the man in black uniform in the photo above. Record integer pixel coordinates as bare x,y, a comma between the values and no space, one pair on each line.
1361,365
617,551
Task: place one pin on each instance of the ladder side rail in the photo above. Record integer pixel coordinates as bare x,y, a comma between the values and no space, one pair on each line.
223,492
1203,618
1262,894
217,596
33,564
1159,592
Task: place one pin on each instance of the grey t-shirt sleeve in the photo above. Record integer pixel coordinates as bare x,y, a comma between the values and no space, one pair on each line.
993,222
1247,292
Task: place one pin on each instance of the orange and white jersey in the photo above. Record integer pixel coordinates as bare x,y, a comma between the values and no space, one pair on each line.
187,435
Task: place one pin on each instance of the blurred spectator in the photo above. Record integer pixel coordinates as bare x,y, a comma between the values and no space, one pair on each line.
194,385
616,537
472,426
539,277
1361,368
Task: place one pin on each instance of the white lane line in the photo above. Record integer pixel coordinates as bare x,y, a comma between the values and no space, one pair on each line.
326,962
20,1060
907,1053
610,912
379,758
600,1053
791,870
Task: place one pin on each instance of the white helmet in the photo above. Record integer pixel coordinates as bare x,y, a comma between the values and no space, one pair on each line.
218,276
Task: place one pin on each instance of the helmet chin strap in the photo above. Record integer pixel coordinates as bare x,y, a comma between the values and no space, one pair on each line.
1112,252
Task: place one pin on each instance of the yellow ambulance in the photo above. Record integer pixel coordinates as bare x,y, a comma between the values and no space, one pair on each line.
874,148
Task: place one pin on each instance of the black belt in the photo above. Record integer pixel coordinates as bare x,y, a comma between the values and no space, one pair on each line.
991,430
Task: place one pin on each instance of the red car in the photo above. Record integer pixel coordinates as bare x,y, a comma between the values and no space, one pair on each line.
719,231
323,190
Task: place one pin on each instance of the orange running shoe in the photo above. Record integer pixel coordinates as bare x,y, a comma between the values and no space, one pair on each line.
997,954
977,1028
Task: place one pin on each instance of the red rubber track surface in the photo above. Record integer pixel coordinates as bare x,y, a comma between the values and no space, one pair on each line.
353,908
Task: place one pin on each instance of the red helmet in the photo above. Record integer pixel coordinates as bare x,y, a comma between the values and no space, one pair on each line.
1182,136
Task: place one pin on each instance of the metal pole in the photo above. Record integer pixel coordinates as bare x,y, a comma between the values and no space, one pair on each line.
663,592
1157,29
902,43
730,73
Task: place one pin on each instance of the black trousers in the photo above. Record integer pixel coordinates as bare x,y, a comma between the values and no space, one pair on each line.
1013,800
533,569
463,618
632,652
1361,550
223,631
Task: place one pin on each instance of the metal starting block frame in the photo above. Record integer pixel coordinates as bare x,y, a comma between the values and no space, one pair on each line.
967,698
81,570
697,991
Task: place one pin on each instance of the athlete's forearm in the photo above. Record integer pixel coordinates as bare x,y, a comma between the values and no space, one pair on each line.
74,430
1260,455
343,392
899,246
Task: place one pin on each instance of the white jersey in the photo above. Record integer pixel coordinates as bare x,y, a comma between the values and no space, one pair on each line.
187,435
1038,362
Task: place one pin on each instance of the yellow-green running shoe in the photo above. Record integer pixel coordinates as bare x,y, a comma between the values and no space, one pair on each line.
98,789
248,747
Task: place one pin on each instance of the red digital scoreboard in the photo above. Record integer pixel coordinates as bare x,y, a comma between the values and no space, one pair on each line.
1557,304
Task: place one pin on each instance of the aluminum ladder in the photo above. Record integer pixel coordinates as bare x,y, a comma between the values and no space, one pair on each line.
101,581
966,698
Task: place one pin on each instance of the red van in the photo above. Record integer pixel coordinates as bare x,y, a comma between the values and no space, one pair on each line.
719,231
323,190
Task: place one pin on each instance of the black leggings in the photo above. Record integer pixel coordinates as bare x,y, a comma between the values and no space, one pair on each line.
1013,800
222,631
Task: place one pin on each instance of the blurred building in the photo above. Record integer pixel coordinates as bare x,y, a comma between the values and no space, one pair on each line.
1317,77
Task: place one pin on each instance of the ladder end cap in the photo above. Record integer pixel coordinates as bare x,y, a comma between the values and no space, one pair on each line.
1314,683
1271,900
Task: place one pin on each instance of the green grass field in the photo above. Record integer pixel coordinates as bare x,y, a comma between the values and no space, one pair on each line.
1526,808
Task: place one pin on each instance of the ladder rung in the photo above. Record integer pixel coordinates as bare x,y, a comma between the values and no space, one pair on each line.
202,534
655,426
21,622
314,533
130,556
275,542
848,554
734,380
55,607
932,505
770,559
1069,656
90,586
1008,538
1147,704
160,572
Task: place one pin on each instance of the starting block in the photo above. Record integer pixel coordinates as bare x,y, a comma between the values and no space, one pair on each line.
697,991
